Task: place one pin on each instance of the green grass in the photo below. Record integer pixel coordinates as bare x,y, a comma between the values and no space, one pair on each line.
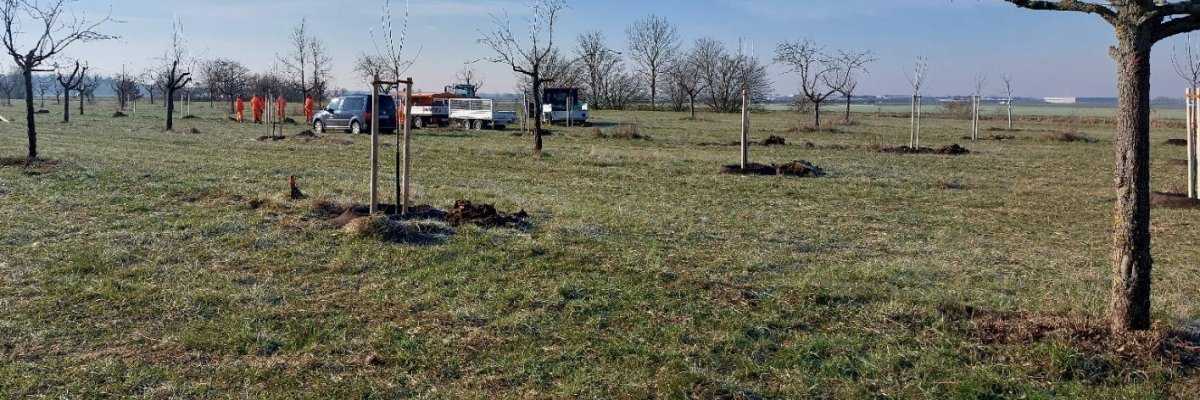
138,267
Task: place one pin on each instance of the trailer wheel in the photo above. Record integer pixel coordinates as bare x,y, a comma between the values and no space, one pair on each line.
418,122
477,125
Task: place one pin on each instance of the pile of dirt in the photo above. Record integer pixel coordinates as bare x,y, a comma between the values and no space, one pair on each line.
289,121
388,229
773,141
1068,137
190,117
993,137
1176,142
194,131
483,215
270,138
800,168
119,114
953,149
1173,200
42,112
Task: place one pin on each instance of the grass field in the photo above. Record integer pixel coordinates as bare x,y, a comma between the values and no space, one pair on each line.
136,266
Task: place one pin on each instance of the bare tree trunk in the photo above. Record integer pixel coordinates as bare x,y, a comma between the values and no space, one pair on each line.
1130,304
537,121
848,108
170,99
817,114
692,107
81,97
67,106
31,127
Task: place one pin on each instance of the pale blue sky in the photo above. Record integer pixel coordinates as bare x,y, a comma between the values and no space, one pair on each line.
1047,53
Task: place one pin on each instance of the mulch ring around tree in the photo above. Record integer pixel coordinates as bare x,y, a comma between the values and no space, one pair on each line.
307,137
35,166
953,149
1176,142
1109,353
798,168
1173,200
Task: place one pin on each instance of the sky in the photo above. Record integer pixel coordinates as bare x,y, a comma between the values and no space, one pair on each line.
1046,53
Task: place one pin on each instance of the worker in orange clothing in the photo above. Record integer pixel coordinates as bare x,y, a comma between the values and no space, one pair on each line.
240,107
280,108
256,106
308,109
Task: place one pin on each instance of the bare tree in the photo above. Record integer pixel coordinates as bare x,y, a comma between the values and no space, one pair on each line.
298,60
322,64
87,89
69,82
152,80
726,75
809,61
174,71
843,78
43,84
1187,65
57,28
653,43
1138,26
917,80
10,84
687,75
527,59
369,66
124,85
223,77
470,76
980,83
600,64
1008,96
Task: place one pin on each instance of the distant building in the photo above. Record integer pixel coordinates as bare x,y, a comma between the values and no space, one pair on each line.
1060,100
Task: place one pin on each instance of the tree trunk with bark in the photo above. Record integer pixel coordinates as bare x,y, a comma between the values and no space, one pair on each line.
537,121
31,122
1130,303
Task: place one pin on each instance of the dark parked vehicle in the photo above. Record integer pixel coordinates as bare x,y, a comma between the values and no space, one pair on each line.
353,113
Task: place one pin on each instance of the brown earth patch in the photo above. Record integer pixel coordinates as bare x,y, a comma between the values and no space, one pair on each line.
1173,200
993,137
953,149
773,141
119,114
1068,137
1177,162
483,215
799,168
35,166
1176,142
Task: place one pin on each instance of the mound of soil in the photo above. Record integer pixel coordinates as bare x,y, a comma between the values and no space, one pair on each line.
194,131
1176,142
42,112
1067,137
483,215
800,168
1177,162
953,149
993,137
190,117
119,114
289,121
270,138
751,169
773,141
1173,200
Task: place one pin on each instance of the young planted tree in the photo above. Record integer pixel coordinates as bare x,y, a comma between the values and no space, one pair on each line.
55,28
527,58
43,84
124,85
55,88
1008,97
806,59
322,64
69,82
1138,26
87,89
980,83
174,72
843,79
653,43
1187,65
917,80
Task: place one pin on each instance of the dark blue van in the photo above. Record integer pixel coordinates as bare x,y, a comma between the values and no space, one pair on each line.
353,114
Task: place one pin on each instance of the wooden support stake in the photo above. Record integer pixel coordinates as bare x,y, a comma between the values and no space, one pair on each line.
374,147
745,161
